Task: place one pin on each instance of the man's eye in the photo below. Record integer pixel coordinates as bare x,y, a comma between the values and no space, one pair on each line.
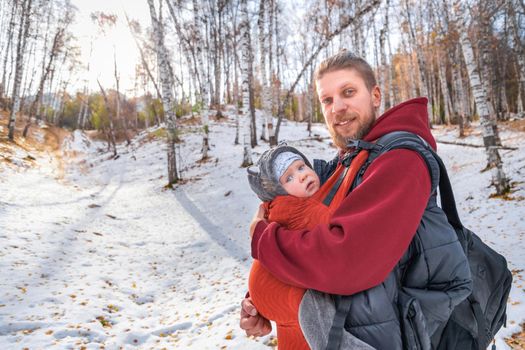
326,101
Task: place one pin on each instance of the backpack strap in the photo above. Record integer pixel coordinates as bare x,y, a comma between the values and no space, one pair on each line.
346,161
342,308
439,179
436,168
406,140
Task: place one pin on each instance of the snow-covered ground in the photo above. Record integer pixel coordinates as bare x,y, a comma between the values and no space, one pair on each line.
96,254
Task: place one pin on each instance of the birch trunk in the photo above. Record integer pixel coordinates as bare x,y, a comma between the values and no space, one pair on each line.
519,107
520,55
168,100
386,68
200,18
328,38
245,119
444,87
413,82
264,79
485,73
269,117
383,70
57,44
9,38
421,62
82,117
391,73
460,94
110,118
118,116
219,49
499,180
23,34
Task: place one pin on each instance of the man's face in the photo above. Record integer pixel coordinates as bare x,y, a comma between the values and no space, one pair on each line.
299,180
348,107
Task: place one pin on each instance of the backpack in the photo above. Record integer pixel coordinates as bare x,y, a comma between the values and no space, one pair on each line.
476,320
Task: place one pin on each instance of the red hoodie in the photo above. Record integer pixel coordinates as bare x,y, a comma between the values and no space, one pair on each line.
370,231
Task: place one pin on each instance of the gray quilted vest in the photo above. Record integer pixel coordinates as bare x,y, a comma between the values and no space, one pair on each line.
409,310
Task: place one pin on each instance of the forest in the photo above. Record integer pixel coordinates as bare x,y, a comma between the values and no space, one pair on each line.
126,127
467,57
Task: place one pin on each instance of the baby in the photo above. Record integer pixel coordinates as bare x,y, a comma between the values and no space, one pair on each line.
283,173
292,196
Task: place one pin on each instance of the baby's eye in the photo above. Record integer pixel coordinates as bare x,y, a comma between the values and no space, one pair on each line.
289,178
301,168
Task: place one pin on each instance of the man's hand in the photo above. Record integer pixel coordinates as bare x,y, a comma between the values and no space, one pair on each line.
259,215
253,323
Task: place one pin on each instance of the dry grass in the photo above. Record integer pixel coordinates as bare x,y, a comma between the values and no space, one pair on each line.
516,125
40,141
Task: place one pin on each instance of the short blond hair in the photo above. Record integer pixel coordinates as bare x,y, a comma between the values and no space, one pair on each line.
345,59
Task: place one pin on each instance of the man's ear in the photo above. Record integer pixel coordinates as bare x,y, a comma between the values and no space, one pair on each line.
376,96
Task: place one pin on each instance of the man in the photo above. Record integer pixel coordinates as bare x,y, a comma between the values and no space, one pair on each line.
372,229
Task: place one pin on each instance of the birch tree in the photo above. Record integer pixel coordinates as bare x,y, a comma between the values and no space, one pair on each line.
168,100
245,119
520,54
111,133
348,20
23,34
8,48
499,180
199,21
421,61
58,43
266,93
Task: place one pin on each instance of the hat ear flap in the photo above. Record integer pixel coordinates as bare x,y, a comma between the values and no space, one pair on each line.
253,170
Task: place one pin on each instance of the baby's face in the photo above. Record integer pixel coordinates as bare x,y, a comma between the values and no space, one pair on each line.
299,180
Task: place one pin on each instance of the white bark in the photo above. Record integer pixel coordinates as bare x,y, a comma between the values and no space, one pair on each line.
421,61
168,100
23,34
460,93
383,69
269,118
245,119
199,19
520,53
8,48
58,42
266,92
499,180
444,87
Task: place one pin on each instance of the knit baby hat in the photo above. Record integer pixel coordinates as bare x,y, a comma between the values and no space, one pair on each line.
264,176
283,161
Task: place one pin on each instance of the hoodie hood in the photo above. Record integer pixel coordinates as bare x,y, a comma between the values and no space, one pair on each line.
408,116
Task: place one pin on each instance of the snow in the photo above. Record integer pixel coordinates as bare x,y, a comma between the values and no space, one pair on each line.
95,252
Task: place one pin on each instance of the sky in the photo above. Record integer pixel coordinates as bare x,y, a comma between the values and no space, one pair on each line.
117,40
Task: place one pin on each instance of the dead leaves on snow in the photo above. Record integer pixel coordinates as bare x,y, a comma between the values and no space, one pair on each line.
517,340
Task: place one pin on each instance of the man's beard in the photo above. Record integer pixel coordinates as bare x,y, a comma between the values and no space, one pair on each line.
341,141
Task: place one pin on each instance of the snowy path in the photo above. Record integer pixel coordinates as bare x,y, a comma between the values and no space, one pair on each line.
110,259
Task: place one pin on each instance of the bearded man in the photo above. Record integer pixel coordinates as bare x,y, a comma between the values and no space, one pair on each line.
371,230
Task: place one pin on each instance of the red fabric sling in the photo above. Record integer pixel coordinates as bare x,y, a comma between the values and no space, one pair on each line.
274,299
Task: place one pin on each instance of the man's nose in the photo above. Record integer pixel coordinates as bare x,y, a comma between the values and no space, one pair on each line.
338,106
